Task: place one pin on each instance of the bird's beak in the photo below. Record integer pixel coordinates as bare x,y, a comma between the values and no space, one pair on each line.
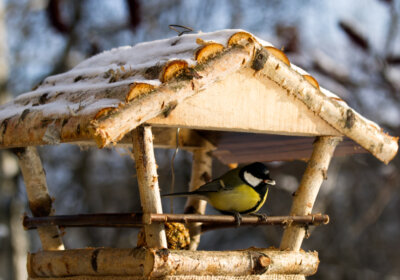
269,182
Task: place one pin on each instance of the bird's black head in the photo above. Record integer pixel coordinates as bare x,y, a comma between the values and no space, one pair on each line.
255,174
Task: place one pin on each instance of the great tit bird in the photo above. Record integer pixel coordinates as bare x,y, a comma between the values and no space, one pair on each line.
242,190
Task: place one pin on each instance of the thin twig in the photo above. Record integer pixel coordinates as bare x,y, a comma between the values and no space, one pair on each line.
173,169
180,32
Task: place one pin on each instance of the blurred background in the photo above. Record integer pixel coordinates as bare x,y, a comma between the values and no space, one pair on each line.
351,47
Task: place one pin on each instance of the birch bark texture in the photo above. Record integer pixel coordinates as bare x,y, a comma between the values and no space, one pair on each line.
307,191
113,262
149,190
337,114
201,174
39,199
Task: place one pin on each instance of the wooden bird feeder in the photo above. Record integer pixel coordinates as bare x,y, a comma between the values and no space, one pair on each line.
233,96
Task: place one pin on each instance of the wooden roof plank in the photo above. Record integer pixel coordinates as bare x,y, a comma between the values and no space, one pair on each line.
249,147
243,102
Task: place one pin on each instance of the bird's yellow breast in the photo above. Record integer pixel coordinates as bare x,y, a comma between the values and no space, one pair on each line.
240,199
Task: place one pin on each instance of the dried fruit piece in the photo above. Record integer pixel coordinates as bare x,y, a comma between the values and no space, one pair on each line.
208,51
200,41
336,98
178,237
241,38
311,80
138,89
233,165
278,54
172,69
103,112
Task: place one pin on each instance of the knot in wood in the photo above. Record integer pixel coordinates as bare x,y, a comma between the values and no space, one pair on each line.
41,207
93,259
350,119
261,262
163,254
259,59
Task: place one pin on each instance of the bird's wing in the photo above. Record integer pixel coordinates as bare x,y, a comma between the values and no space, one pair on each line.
214,186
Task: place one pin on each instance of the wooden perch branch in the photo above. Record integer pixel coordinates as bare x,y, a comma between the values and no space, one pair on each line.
114,126
304,198
136,220
39,199
342,118
164,262
148,184
201,174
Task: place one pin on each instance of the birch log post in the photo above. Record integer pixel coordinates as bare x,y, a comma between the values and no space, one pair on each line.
201,174
148,184
39,199
310,184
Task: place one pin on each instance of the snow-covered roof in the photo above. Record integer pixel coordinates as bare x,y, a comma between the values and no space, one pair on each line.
109,94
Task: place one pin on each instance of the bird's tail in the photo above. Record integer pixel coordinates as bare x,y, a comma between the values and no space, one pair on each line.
180,194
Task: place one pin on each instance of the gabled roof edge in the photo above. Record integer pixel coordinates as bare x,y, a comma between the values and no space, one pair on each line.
341,117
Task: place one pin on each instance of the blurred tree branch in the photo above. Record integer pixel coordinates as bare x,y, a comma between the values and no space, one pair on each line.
375,210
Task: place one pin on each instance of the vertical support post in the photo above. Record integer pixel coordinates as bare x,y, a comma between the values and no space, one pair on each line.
310,184
39,199
201,174
148,184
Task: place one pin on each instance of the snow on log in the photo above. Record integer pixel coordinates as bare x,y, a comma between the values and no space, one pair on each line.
161,101
108,95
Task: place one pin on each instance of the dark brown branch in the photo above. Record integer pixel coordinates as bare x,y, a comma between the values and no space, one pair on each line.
354,35
137,220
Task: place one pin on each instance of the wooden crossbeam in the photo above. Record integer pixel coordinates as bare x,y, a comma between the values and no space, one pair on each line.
137,220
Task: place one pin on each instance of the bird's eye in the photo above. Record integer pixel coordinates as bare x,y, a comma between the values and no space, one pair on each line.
266,171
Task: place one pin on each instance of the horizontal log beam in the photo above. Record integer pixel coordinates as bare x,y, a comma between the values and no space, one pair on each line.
164,262
181,277
139,220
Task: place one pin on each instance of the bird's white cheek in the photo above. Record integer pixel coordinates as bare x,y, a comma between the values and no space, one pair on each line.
252,180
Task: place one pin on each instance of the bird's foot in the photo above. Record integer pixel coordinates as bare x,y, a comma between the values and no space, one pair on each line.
261,216
238,218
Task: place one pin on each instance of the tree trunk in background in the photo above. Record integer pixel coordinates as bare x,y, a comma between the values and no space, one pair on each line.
19,240
8,172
